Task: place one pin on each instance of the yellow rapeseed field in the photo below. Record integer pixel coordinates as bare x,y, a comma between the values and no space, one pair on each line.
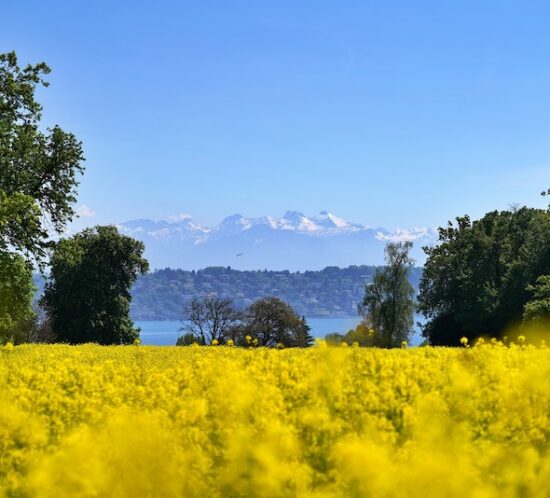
136,421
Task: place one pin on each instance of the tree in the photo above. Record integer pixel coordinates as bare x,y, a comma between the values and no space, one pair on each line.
38,170
388,305
537,310
16,293
88,296
208,320
38,179
476,280
270,322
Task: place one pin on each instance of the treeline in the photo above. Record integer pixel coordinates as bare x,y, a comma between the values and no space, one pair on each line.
334,292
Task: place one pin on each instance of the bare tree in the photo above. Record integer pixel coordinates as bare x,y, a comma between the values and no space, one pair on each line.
210,319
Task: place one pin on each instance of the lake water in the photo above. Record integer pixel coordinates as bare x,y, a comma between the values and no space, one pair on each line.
166,333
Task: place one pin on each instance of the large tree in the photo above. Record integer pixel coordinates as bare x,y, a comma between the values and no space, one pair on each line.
388,305
39,167
39,171
88,296
477,280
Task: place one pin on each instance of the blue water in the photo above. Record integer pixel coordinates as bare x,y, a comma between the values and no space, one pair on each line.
166,333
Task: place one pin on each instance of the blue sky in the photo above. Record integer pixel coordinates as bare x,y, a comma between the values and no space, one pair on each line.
392,114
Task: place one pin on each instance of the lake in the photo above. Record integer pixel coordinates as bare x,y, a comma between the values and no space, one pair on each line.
166,333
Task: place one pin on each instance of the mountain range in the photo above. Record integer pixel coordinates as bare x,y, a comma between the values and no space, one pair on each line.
293,242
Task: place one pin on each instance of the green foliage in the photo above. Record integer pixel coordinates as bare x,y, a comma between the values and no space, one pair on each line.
38,169
88,295
271,322
476,280
388,305
19,221
16,293
538,309
329,292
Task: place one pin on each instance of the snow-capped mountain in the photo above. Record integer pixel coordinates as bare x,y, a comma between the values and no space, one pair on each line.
293,242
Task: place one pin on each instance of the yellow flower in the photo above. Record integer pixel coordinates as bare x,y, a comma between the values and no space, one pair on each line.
230,342
215,342
464,341
384,420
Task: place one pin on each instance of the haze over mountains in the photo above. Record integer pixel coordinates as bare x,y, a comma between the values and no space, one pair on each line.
294,242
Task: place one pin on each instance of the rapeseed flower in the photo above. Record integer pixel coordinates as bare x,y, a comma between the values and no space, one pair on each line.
316,422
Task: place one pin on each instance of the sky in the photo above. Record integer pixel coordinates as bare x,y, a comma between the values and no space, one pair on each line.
394,114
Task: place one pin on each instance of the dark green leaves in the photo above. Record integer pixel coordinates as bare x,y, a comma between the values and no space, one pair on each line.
88,295
475,281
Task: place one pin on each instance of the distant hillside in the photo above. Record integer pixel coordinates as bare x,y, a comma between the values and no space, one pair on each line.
293,242
161,295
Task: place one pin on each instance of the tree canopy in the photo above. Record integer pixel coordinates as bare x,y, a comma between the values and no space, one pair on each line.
476,280
39,168
88,294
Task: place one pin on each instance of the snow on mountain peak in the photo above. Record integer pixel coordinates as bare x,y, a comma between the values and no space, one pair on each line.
329,220
293,241
323,224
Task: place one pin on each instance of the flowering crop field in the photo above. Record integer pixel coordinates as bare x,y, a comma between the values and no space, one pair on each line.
141,421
